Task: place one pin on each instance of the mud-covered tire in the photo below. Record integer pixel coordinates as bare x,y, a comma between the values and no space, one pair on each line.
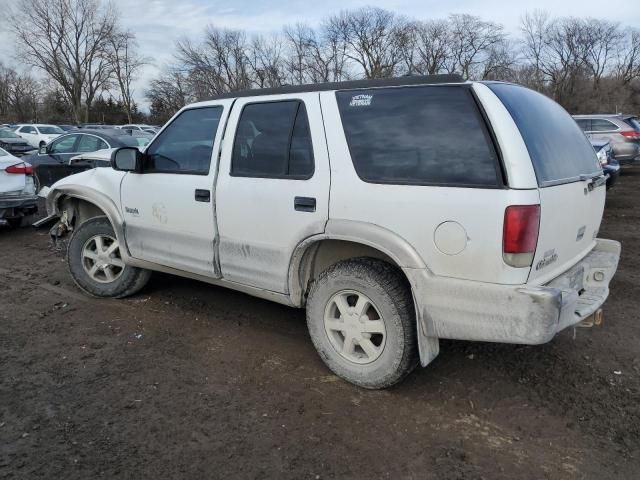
129,279
390,295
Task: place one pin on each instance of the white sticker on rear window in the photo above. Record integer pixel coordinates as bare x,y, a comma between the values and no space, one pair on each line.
361,100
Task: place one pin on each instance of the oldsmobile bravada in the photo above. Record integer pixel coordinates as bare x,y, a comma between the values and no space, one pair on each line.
397,212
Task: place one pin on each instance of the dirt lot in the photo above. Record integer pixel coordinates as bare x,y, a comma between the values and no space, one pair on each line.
187,380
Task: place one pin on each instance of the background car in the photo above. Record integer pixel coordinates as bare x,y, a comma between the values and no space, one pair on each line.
68,128
39,135
622,131
17,190
51,163
14,143
609,164
143,138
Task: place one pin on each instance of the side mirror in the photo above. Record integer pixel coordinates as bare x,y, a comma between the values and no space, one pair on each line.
43,150
127,159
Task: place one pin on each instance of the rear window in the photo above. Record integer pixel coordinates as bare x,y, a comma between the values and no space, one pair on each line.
633,122
558,148
418,135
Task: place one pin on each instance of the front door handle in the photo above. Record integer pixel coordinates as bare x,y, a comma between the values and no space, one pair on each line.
304,204
203,195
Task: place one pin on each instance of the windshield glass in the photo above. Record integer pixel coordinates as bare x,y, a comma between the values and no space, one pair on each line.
6,133
51,130
559,149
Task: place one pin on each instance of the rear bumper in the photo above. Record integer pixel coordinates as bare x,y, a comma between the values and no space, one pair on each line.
466,310
18,201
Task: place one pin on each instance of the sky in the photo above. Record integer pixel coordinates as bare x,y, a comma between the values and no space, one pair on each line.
159,23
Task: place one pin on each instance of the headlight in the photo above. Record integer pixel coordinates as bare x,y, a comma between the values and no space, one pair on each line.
602,156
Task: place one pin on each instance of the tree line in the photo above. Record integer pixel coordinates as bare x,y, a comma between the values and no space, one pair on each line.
87,58
91,63
585,64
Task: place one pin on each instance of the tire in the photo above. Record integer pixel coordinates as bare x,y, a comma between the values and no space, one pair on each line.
394,354
41,144
117,280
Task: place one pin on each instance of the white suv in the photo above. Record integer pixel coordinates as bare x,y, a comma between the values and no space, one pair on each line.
397,212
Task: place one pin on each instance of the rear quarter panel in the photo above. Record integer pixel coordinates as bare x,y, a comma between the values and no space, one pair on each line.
415,212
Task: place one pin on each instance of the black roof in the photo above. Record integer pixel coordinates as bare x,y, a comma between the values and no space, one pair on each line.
114,136
348,85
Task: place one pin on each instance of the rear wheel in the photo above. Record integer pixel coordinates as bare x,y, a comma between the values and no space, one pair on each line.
361,320
96,265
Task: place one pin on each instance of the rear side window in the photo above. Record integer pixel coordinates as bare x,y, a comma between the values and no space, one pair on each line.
89,143
558,148
418,135
273,141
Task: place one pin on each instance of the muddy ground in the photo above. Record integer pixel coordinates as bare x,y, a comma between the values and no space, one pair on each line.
186,380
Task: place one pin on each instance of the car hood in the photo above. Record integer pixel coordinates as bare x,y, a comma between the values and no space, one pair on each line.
597,144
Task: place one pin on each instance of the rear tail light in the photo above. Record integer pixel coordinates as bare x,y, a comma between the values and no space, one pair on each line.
631,134
520,234
20,168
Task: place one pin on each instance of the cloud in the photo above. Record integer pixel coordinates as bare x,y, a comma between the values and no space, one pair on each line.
159,23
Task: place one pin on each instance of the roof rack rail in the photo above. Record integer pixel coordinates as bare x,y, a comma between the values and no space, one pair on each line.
347,85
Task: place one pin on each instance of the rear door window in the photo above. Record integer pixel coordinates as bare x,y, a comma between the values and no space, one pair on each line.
433,135
273,141
559,150
91,143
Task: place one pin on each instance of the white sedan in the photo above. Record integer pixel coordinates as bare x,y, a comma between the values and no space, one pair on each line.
17,190
39,135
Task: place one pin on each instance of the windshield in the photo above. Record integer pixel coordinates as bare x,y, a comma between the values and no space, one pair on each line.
3,153
51,130
559,149
6,133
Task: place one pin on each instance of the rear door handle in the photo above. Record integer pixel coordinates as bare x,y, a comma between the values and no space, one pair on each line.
304,204
203,195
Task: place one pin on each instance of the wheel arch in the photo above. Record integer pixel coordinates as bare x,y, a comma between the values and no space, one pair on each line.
342,240
75,204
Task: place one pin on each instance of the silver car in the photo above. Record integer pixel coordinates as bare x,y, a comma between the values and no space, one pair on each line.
621,131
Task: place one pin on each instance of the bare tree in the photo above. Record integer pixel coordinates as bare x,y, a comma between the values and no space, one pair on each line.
266,61
627,66
217,65
167,94
69,40
372,39
472,41
125,63
19,95
430,42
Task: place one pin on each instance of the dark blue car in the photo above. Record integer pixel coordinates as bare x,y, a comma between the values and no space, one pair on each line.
610,165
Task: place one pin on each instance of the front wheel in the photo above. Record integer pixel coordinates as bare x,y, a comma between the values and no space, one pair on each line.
96,265
361,320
